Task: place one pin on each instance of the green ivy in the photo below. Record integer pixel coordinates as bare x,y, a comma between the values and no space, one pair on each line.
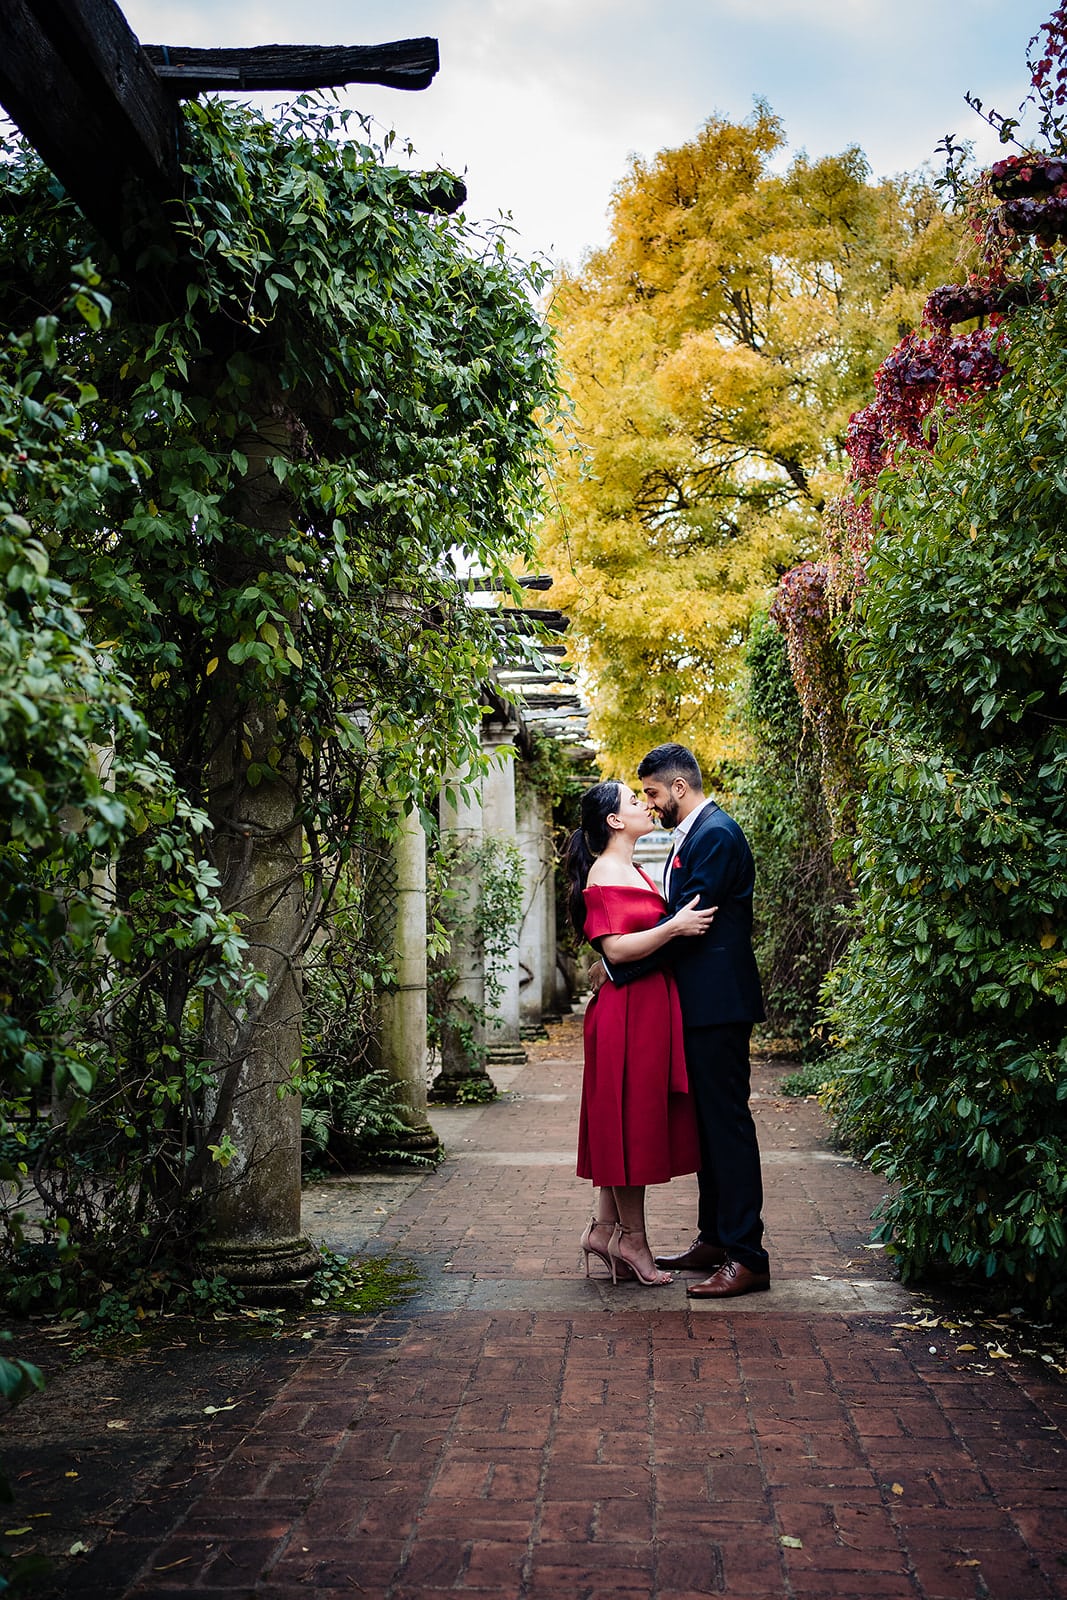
498,865
802,896
258,473
491,916
951,1008
548,768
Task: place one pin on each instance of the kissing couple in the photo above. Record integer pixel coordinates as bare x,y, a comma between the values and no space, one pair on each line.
665,1088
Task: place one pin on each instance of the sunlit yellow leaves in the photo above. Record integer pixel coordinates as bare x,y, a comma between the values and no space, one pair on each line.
714,351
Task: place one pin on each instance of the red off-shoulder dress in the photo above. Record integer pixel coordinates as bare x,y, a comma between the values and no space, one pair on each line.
637,1121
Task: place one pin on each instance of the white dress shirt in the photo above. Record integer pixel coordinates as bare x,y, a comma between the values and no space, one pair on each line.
677,841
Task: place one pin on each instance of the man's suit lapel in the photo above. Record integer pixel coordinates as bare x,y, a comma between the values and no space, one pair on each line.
700,825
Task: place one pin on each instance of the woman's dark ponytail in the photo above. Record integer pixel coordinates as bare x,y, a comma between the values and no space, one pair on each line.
587,842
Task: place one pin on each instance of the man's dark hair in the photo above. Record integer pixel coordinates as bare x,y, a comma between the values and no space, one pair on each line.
670,761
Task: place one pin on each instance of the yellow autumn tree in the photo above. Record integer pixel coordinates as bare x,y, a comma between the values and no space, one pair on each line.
715,350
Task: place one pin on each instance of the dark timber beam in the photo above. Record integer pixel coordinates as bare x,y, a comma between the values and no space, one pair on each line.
75,80
103,112
404,64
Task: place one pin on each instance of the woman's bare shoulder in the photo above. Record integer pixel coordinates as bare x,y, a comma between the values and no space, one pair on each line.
611,875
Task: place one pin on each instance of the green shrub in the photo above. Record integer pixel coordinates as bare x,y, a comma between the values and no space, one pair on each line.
801,896
230,548
352,1111
808,1080
950,1008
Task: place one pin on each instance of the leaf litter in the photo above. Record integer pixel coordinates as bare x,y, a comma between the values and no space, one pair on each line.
1007,1336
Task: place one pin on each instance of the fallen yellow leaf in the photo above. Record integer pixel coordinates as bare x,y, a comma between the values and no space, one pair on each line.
898,1488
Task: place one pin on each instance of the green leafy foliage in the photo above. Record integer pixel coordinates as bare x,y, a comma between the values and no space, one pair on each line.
475,895
351,1111
808,1081
549,768
802,898
950,1007
387,369
499,866
241,491
77,770
354,1119
81,783
17,1378
374,1284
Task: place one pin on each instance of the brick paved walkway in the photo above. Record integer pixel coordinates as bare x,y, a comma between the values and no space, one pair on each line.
518,1433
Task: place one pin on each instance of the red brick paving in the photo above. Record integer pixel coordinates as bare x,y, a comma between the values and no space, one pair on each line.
515,1432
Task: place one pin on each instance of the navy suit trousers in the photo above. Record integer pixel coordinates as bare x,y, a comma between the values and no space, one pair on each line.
731,1186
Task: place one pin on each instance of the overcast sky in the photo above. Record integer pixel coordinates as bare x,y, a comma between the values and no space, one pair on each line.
541,102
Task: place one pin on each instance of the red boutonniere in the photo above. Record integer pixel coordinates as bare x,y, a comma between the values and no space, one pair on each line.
677,861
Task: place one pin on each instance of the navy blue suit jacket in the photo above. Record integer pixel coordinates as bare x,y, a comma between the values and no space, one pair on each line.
718,981
716,973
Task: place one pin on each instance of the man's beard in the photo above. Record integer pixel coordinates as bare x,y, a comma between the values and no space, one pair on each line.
668,815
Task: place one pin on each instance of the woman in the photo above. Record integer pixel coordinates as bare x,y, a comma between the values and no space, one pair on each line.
637,1122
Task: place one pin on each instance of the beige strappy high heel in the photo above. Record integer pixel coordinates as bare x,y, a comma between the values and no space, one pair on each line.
658,1280
604,1255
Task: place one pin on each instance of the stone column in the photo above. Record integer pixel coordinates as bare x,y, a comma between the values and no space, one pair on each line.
252,1199
549,977
536,958
463,1072
402,1011
499,822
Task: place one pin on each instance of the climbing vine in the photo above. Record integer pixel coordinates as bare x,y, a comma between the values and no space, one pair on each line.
261,469
548,768
475,897
949,1007
498,865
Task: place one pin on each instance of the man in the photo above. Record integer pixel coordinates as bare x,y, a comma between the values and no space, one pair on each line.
719,989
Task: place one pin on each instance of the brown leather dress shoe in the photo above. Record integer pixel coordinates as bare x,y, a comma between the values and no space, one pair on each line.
700,1257
731,1278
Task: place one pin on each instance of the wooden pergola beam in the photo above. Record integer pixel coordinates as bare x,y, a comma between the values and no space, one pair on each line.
75,80
402,64
103,112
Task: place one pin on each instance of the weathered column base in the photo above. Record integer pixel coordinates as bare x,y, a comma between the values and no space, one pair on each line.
419,1139
462,1088
533,1030
269,1273
509,1055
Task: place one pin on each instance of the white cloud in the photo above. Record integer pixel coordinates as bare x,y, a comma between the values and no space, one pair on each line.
542,101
